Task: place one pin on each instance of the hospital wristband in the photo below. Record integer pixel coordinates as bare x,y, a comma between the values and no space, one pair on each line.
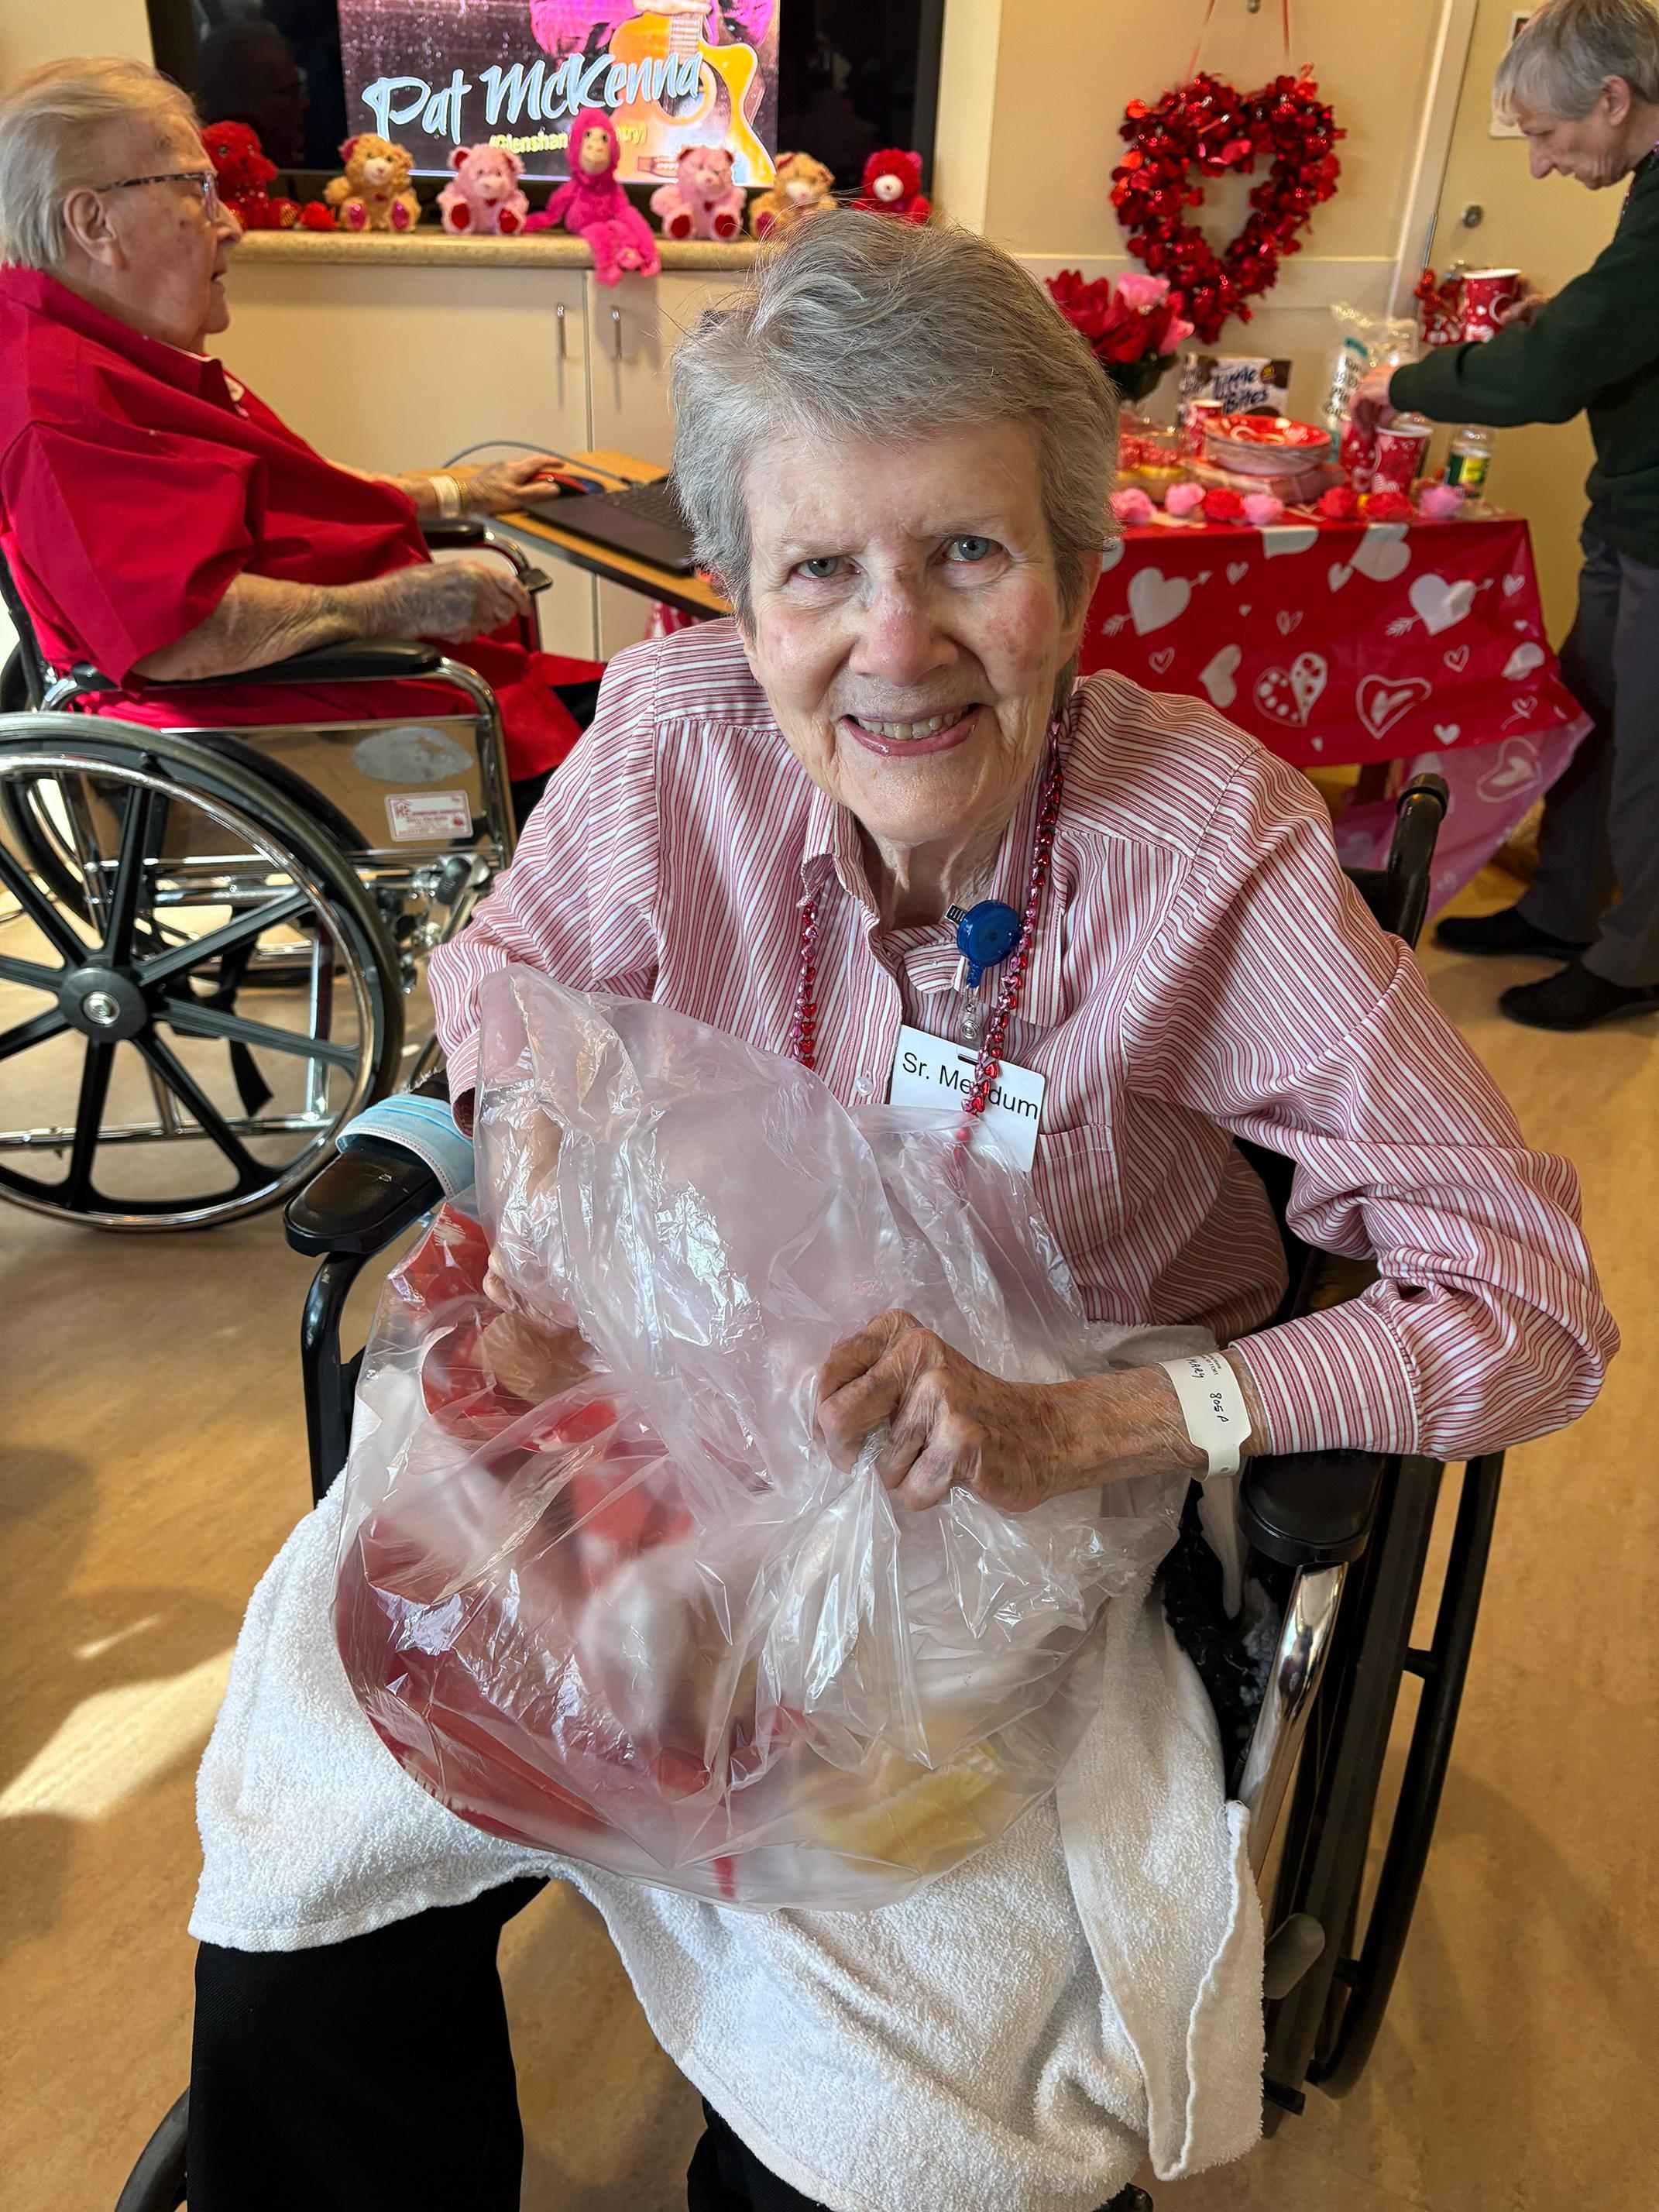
1212,1406
447,491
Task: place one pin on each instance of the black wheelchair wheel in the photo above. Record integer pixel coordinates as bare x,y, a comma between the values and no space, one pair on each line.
158,2182
166,1104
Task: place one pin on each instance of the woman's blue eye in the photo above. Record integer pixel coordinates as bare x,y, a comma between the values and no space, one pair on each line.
971,549
821,567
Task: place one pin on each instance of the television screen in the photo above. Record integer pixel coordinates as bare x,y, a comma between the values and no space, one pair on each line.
438,73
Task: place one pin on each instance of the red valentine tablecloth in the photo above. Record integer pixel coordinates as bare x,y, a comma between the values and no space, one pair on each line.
1337,642
1333,642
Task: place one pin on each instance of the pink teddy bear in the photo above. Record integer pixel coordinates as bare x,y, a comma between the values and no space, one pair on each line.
702,201
484,198
595,207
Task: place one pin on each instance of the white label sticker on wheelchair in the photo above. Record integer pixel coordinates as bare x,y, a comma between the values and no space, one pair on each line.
416,817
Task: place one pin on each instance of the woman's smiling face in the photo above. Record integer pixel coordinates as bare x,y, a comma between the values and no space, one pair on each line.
907,623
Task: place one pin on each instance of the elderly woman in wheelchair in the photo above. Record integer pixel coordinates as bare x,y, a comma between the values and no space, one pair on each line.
327,700
775,826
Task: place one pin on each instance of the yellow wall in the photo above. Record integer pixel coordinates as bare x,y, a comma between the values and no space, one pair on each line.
30,33
1552,230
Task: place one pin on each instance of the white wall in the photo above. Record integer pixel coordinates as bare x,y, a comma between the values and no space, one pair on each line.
31,33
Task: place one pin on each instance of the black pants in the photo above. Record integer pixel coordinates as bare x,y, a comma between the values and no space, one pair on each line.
376,2076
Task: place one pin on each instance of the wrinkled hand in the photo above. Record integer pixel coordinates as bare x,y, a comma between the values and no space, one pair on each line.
1370,406
457,599
1012,1444
505,484
1527,302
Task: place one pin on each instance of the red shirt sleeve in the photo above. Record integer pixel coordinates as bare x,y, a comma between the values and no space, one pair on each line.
125,542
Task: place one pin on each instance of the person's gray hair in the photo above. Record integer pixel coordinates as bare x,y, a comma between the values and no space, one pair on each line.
52,123
858,325
1559,62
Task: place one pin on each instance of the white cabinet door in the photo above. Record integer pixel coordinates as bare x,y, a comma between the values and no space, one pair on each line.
633,328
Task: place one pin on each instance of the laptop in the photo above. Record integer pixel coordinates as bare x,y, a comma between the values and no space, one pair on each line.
646,521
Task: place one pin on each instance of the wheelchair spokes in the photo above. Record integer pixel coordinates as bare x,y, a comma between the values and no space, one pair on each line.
162,1096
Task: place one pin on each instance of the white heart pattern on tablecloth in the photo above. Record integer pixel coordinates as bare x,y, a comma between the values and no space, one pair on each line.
1457,659
1382,702
1382,553
1218,677
1287,619
1338,575
1236,570
1448,733
1440,604
1512,585
1111,555
1288,538
1523,661
1516,769
1155,600
1160,661
1523,709
1286,695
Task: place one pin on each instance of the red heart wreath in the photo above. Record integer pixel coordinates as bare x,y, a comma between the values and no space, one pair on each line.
1208,126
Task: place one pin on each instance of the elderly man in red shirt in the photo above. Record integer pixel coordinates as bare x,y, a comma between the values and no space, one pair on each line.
159,520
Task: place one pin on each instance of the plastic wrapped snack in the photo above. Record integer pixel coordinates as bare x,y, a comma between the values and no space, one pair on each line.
601,1588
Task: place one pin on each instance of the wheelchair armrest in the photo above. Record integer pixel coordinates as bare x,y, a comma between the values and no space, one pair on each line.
360,1201
457,530
359,658
1310,1509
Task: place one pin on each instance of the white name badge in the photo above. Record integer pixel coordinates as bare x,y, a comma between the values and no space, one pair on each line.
928,1072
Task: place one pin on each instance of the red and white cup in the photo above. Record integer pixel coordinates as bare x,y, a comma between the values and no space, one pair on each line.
1487,293
1199,417
1402,445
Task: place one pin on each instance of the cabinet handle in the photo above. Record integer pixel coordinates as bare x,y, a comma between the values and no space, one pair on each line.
616,332
559,314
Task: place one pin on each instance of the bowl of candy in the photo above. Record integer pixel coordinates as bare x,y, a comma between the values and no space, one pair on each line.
1149,459
1263,445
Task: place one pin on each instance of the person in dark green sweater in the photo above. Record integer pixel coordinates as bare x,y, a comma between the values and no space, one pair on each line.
1581,80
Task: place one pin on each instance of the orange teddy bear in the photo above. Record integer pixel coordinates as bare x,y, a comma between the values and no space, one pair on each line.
374,194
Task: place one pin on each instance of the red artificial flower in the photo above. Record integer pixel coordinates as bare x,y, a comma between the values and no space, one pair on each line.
1386,506
1340,504
1221,505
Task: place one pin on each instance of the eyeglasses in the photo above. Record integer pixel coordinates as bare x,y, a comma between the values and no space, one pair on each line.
204,180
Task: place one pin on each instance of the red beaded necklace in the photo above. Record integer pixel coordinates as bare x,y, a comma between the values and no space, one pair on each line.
803,1024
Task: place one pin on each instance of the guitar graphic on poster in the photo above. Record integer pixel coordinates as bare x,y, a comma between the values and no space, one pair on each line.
718,113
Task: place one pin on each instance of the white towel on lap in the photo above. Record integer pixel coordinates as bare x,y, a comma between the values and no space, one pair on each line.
1007,2040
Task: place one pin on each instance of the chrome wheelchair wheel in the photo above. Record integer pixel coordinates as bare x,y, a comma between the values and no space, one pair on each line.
125,1046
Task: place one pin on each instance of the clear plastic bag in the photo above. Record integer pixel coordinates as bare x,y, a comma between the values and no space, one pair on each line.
601,1588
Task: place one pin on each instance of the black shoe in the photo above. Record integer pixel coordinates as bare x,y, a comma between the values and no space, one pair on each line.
1506,930
1576,999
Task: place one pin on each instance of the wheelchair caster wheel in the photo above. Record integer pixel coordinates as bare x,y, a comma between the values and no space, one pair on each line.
1130,2200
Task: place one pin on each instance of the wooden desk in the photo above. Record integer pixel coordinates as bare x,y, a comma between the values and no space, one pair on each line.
689,593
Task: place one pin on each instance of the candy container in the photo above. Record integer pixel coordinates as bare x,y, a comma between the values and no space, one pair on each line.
1401,447
1487,295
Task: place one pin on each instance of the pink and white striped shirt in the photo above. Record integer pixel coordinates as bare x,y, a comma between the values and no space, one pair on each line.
1201,970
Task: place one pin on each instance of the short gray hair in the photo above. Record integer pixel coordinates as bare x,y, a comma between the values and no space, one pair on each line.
864,326
50,127
1559,62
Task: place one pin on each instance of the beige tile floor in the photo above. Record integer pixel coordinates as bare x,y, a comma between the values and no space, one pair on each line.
153,1460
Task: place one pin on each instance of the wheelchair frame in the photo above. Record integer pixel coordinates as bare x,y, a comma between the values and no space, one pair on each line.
1343,1536
81,854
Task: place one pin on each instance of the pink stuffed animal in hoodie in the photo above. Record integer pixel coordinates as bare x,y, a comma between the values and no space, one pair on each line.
595,207
702,201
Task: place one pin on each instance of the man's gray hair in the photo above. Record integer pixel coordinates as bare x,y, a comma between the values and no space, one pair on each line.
1560,62
52,126
859,326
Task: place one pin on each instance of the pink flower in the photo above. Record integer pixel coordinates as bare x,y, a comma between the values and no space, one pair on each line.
1131,507
1140,292
1182,498
1263,509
